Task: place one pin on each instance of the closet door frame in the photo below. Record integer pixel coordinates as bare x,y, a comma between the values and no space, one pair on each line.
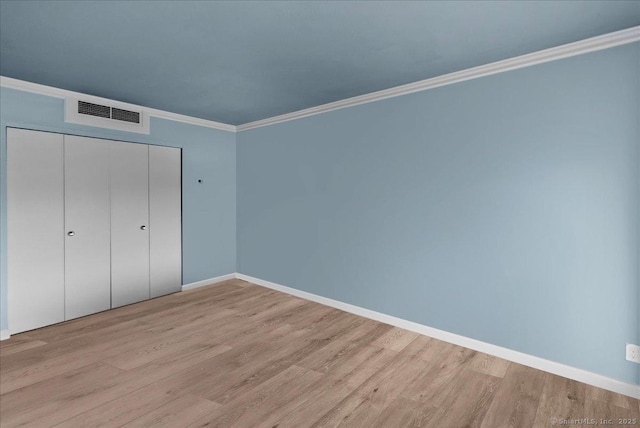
58,131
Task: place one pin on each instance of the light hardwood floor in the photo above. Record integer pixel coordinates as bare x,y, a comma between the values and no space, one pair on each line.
239,355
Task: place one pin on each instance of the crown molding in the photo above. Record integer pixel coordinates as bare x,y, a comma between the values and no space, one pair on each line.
592,44
605,41
22,85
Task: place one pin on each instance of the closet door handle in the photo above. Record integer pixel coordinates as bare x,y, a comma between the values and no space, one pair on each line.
71,233
143,227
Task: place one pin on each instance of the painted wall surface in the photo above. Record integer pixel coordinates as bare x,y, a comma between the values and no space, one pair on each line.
504,209
208,209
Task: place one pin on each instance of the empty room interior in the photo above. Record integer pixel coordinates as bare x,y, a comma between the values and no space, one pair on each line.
319,214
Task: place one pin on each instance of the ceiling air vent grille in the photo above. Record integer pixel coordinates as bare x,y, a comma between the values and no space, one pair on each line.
125,115
112,115
94,109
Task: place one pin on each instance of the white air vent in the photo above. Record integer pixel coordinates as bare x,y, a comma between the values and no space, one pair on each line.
93,112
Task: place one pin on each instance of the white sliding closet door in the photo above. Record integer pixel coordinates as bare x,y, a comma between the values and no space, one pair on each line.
87,228
165,212
35,220
129,177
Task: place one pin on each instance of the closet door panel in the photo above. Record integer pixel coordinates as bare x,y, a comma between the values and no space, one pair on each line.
129,173
35,220
87,226
165,220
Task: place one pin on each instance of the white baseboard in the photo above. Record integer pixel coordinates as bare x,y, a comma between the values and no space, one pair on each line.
559,369
4,334
209,281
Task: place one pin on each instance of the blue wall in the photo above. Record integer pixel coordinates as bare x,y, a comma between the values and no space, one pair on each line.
209,209
505,208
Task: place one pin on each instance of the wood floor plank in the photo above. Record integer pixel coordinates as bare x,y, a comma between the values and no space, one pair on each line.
112,337
179,412
467,402
405,413
241,282
164,345
16,339
395,339
560,396
50,401
358,367
237,354
333,388
163,320
606,415
57,399
516,402
208,373
84,355
332,355
292,348
124,409
608,397
488,364
20,347
432,385
342,413
376,393
265,399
